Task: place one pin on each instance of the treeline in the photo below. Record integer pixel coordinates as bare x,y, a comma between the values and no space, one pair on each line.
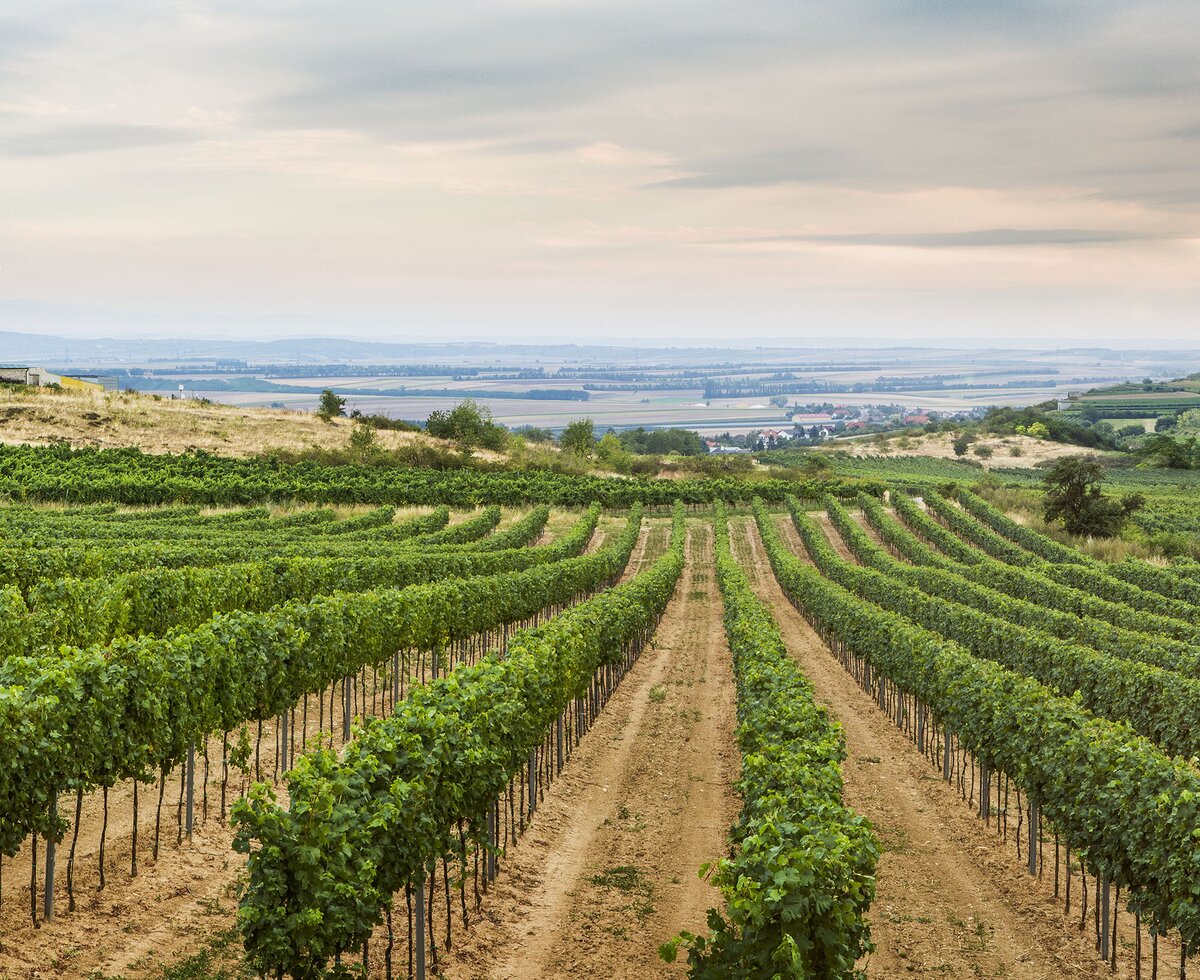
740,389
1004,421
260,385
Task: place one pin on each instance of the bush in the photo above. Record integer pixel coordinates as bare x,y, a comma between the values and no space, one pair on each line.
469,425
331,405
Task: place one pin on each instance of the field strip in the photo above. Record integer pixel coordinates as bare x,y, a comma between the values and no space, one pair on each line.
608,870
950,899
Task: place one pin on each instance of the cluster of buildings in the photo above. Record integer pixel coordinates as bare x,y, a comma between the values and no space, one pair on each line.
816,427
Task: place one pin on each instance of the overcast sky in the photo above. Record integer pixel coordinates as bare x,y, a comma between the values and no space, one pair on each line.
1001,171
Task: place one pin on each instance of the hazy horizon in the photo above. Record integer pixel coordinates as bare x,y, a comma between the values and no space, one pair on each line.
874,172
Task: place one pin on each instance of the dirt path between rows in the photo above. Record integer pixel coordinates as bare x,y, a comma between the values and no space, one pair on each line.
608,870
951,901
824,522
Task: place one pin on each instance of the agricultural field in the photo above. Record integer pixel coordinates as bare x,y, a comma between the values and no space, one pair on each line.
327,720
708,389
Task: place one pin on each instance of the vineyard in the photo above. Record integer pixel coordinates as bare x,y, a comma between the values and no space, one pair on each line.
336,721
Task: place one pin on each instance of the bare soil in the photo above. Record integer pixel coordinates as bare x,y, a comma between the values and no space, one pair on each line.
951,900
608,870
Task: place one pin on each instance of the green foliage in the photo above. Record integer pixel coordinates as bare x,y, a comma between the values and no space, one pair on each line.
470,425
1072,494
661,442
362,826
613,454
802,873
92,716
579,437
1041,423
1127,807
331,405
1174,452
531,433
85,476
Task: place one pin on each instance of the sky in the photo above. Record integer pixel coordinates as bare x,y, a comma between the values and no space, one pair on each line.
954,171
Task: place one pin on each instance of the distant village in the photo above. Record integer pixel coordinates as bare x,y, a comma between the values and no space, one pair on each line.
815,424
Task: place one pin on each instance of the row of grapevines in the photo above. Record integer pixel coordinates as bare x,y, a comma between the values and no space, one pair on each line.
899,539
982,537
24,565
948,544
1165,581
802,872
1039,582
322,874
524,531
263,532
94,716
81,612
968,586
59,473
1002,524
1129,810
1069,567
1158,703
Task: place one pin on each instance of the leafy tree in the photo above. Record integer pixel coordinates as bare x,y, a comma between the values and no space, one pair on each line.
579,437
531,433
1073,495
659,442
1188,423
613,454
1165,422
331,405
468,424
362,440
1039,430
1173,453
961,443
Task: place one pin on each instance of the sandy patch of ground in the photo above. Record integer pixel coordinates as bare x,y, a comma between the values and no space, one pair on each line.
940,445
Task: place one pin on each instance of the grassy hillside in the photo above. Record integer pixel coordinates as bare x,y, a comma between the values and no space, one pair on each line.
160,425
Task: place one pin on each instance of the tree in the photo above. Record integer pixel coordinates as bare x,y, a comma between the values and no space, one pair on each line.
1072,494
579,437
363,443
331,405
961,443
468,424
613,454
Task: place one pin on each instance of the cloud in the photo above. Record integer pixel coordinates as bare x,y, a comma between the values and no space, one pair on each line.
977,238
485,154
96,138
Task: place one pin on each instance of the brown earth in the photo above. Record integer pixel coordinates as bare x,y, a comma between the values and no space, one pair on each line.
608,870
951,899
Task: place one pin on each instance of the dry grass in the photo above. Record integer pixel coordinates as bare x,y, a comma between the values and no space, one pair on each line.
157,425
1030,451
